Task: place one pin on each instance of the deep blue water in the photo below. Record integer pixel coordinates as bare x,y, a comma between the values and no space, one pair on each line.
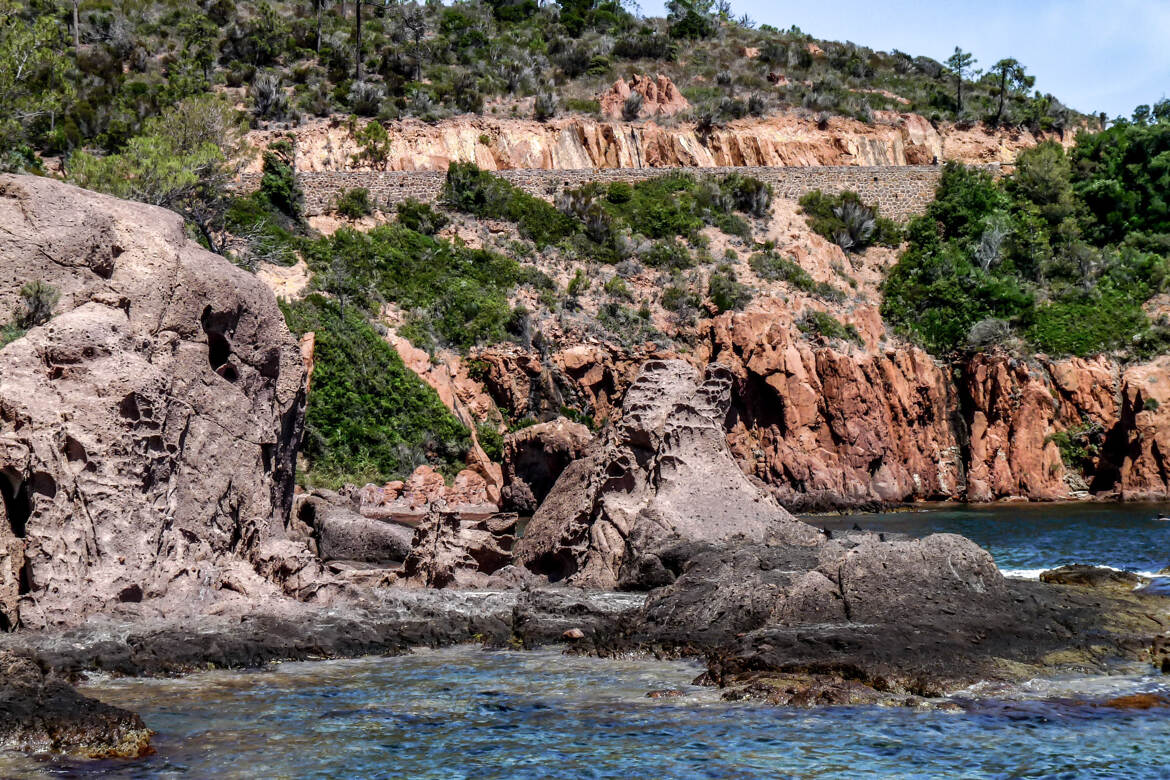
465,713
1032,537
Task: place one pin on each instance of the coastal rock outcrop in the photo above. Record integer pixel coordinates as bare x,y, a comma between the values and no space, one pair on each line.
41,713
660,97
536,456
451,550
660,474
149,428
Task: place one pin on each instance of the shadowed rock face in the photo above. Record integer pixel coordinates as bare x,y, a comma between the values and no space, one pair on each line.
41,713
661,474
148,430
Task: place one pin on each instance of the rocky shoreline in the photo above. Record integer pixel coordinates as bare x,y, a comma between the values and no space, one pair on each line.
150,525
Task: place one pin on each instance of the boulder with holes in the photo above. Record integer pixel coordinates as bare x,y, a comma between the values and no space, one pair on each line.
660,475
149,426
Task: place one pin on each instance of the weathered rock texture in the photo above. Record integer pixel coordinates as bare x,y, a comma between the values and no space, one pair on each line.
581,143
535,457
41,713
148,430
660,474
864,619
451,550
829,425
660,97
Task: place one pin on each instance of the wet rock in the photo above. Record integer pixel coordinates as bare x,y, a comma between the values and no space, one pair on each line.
452,550
662,473
1091,577
148,430
1138,701
42,713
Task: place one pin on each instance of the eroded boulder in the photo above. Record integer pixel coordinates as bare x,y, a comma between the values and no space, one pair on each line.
536,456
660,474
453,550
148,430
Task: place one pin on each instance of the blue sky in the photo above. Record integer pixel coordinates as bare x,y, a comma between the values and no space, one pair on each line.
1095,55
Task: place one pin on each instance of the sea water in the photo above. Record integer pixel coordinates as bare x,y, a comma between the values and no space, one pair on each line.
468,713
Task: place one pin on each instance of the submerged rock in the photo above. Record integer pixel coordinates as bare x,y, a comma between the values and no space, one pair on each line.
661,474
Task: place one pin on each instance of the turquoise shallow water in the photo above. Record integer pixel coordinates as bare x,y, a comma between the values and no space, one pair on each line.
465,713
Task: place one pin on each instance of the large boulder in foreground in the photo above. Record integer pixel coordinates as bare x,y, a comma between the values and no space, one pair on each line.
659,475
148,430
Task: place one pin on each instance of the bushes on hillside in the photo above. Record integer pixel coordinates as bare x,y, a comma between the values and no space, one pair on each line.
772,266
369,418
469,189
1066,252
453,295
848,222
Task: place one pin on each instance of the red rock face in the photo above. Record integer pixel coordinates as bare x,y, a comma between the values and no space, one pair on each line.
835,426
660,97
825,428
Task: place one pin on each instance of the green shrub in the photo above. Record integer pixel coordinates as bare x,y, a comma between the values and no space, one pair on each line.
454,295
491,440
845,220
822,324
469,189
420,217
368,416
773,267
725,291
354,203
37,300
616,287
578,284
1029,251
670,254
279,181
1079,446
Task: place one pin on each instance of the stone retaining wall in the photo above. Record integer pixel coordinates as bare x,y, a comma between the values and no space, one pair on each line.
900,191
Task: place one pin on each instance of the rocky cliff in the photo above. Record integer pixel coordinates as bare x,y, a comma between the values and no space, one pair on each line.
577,142
149,427
826,425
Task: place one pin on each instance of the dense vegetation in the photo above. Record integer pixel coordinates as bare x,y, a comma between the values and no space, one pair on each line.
453,296
1061,255
91,73
369,417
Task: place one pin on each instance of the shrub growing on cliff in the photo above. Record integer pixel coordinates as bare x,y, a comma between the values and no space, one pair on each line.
1034,251
368,416
725,291
774,267
455,296
845,220
469,189
819,324
420,217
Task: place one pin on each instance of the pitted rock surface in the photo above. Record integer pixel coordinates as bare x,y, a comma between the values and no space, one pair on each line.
148,430
660,474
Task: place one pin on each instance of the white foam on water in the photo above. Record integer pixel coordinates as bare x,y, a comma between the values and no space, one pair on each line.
1034,574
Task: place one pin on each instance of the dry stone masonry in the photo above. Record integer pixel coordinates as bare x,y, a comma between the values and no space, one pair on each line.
900,191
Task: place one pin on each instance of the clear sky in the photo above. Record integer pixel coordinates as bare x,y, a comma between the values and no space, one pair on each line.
1094,55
